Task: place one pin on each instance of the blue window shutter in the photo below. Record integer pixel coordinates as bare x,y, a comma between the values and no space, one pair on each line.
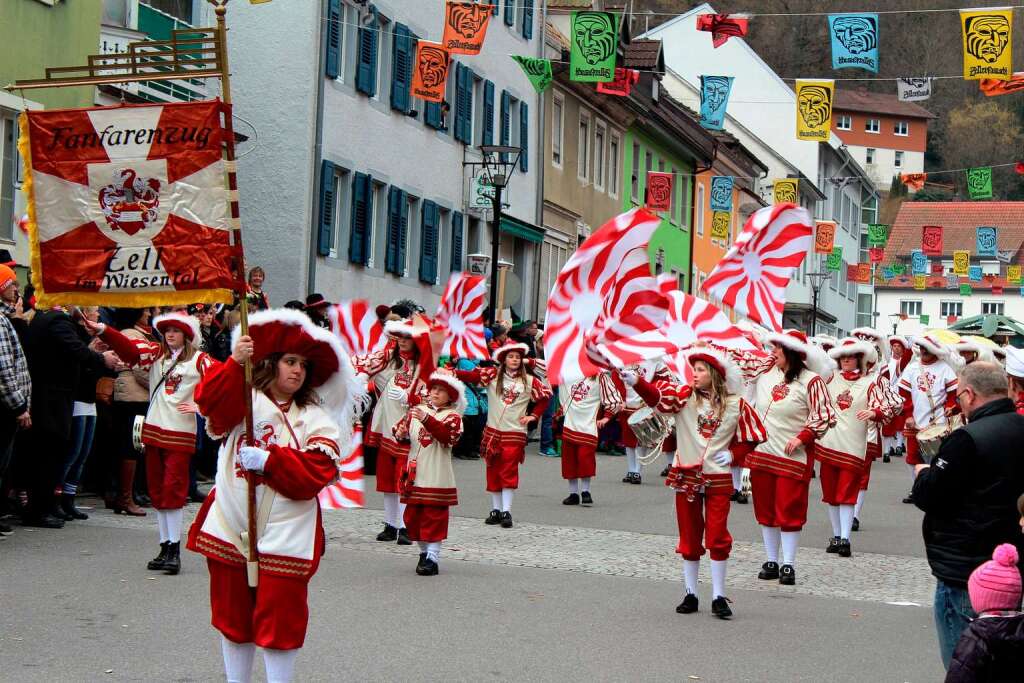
403,231
487,137
432,115
456,260
394,230
459,106
325,234
401,65
510,12
334,29
524,137
464,104
428,242
506,120
362,213
528,19
366,65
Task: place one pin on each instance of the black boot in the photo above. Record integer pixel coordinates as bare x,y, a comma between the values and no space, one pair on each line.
833,545
742,498
506,520
67,505
494,517
419,565
844,548
769,571
856,524
572,499
428,568
159,562
720,607
787,575
887,458
403,537
172,565
688,605
586,498
390,533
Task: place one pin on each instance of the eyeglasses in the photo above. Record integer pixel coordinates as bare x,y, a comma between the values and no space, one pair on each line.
961,394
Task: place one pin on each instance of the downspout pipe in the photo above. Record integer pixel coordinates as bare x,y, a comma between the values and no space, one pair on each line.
690,287
541,159
318,140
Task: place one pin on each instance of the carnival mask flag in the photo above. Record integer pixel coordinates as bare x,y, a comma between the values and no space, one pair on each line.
659,191
1013,274
864,273
961,261
824,236
878,234
899,268
988,38
993,87
722,27
814,110
913,89
986,238
952,281
931,240
595,38
714,100
128,205
720,221
920,281
461,314
914,181
854,41
537,70
937,268
623,84
721,192
965,290
918,262
887,273
851,272
876,254
465,26
979,182
834,262
431,72
753,275
974,274
784,191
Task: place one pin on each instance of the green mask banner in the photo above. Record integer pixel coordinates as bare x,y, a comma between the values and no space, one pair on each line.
979,182
595,38
878,234
834,261
537,70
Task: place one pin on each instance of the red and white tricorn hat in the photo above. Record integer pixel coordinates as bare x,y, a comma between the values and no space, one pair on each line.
178,321
872,335
900,339
720,362
851,346
933,346
983,352
455,388
795,340
499,353
824,341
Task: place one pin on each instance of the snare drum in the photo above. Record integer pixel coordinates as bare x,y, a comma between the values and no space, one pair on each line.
929,439
650,427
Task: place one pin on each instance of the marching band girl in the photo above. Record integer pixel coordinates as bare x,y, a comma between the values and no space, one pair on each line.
303,407
587,406
714,425
169,432
511,388
794,406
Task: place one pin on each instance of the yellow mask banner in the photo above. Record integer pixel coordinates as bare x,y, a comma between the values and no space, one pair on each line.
814,110
784,190
988,37
961,262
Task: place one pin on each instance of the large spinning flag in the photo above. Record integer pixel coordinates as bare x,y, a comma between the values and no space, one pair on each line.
357,326
461,314
753,275
347,491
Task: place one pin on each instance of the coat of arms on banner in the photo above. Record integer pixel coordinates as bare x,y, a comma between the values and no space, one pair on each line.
128,205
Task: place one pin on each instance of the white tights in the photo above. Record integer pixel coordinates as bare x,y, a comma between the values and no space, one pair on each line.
238,660
394,510
169,523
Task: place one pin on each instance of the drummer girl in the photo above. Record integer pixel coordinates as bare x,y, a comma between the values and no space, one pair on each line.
714,425
587,406
632,402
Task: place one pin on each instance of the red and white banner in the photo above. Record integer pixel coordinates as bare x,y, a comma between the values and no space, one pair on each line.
753,275
461,314
128,205
347,492
357,326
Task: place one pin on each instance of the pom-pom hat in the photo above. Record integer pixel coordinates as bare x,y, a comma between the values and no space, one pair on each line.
982,352
995,585
455,388
720,362
178,321
851,346
499,353
795,340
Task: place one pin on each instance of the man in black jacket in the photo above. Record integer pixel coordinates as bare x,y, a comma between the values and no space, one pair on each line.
56,354
969,494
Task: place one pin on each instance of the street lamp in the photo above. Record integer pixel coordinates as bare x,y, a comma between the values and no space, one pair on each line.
499,162
817,280
895,319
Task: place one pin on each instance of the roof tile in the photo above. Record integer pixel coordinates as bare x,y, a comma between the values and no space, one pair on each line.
878,103
959,220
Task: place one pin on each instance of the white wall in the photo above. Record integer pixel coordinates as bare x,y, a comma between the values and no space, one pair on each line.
884,166
931,299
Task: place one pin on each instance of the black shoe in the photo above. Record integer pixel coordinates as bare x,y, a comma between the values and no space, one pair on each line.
403,537
572,499
506,520
390,533
844,548
742,498
67,506
46,521
428,568
787,575
909,500
196,496
720,607
172,565
636,478
586,498
856,524
833,545
159,562
734,496
769,571
493,518
628,479
688,605
419,565
665,471
886,458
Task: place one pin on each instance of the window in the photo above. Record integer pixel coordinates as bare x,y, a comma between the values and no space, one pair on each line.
635,186
871,126
901,128
869,155
992,308
948,308
898,161
869,209
700,210
583,146
557,122
179,9
910,308
844,122
613,165
599,155
8,174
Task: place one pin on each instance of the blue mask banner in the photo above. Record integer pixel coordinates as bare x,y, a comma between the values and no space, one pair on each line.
918,263
714,98
721,192
975,274
986,241
854,41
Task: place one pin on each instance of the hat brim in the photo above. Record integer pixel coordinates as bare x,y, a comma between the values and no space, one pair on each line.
186,323
500,353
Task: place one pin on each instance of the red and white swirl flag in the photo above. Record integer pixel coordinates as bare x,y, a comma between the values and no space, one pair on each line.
357,326
347,491
461,314
753,275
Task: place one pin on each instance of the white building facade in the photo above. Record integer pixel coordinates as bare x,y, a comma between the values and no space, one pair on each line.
901,308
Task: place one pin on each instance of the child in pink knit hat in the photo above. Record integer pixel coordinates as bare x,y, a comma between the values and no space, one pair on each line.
992,647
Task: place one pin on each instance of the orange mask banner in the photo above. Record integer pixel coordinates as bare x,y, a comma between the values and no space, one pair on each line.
465,25
824,237
659,191
914,181
993,87
430,72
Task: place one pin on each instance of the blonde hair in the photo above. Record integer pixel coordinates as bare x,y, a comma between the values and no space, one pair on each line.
717,391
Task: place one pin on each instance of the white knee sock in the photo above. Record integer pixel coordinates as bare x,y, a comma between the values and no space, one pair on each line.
632,463
690,569
737,478
390,508
859,505
585,484
771,536
790,540
422,545
401,514
237,660
496,501
173,521
846,520
280,664
833,516
718,578
434,550
574,486
910,469
506,499
161,521
668,459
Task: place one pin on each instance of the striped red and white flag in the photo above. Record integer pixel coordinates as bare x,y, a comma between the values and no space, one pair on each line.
347,491
753,275
692,319
461,314
357,326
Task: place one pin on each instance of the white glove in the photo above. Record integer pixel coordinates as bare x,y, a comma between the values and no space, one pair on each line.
252,458
397,394
629,377
722,458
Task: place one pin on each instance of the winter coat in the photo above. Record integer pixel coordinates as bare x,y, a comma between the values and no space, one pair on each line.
132,385
216,342
990,649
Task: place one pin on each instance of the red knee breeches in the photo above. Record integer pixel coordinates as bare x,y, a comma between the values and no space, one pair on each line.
703,522
427,523
578,460
167,477
273,615
839,485
779,501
